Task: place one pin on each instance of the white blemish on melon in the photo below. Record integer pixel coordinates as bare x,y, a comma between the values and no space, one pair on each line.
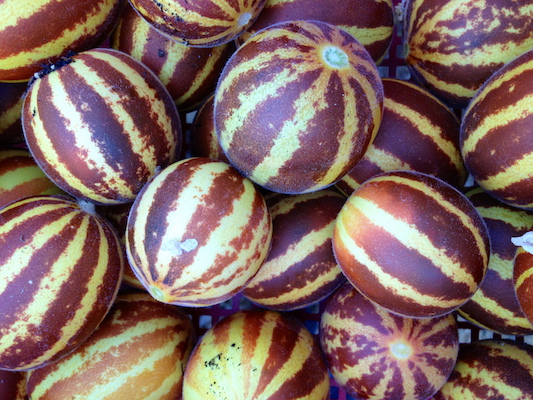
244,19
525,241
178,248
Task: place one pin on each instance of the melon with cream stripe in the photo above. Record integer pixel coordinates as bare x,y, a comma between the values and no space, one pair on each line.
197,233
257,354
491,369
200,23
300,268
523,280
369,21
378,355
297,105
20,176
454,46
495,305
101,125
139,351
417,132
412,243
496,133
60,268
40,32
189,73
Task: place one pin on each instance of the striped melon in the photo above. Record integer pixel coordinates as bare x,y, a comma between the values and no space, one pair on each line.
138,352
21,177
523,281
417,132
11,99
454,46
101,126
494,306
297,105
200,23
60,269
300,268
37,33
374,354
369,21
197,233
491,369
412,243
496,133
189,73
13,385
256,354
204,139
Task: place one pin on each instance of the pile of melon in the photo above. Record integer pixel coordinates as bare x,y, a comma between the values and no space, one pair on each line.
163,157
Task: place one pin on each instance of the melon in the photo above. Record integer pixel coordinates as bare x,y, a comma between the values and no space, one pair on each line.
257,354
101,125
61,267
197,233
297,105
412,243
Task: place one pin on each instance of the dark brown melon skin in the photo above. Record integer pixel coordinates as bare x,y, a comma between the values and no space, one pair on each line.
204,139
13,385
11,99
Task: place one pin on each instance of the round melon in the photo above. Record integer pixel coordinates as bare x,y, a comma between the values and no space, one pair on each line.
300,268
200,23
376,355
496,133
417,132
491,369
189,73
257,354
297,106
101,125
371,22
495,306
138,352
412,243
61,267
38,33
197,233
454,46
